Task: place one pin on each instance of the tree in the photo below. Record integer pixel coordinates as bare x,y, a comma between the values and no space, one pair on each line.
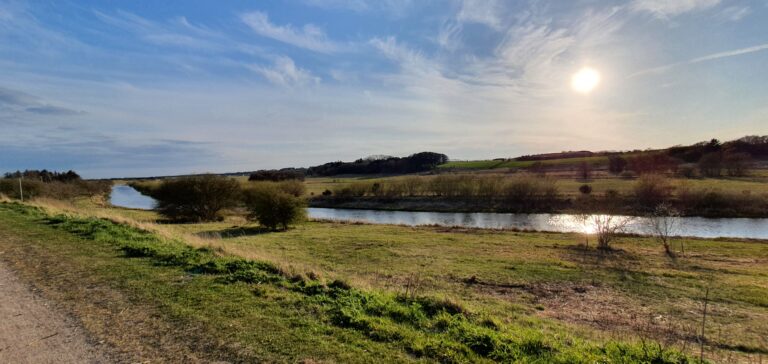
616,164
585,171
651,190
710,165
274,208
196,198
736,164
663,223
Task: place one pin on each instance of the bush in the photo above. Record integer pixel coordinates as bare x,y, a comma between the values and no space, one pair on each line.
196,198
616,164
736,164
277,175
585,189
652,190
710,165
272,207
686,172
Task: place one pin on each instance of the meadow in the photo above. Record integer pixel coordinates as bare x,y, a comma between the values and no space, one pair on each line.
328,291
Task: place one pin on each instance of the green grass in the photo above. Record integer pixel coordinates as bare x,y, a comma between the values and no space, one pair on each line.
269,314
543,270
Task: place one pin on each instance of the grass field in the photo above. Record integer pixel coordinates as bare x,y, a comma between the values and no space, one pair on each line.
756,184
544,287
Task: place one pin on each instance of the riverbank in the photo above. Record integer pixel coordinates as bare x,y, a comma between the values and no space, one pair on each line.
715,206
571,297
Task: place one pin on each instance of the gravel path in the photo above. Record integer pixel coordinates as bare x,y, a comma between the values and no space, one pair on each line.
33,331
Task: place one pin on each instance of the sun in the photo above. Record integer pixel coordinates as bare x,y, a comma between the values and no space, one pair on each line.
585,80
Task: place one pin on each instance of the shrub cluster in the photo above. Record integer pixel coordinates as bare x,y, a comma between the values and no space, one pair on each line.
650,191
202,198
275,205
519,192
58,185
194,198
45,175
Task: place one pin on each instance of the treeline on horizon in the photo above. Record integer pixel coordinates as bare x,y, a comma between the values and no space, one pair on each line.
753,145
705,159
419,162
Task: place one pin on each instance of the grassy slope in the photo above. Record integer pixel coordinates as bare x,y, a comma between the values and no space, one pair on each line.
209,320
532,278
231,309
520,274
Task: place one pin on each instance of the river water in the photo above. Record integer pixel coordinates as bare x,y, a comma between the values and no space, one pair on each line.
126,196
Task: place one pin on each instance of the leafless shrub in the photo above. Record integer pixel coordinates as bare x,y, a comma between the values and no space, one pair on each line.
604,227
663,223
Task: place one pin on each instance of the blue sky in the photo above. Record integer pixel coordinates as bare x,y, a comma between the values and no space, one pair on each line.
137,88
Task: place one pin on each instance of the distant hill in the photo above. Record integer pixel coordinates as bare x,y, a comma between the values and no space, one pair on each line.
710,153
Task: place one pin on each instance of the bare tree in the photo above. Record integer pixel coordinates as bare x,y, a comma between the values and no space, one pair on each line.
585,171
604,227
664,222
607,227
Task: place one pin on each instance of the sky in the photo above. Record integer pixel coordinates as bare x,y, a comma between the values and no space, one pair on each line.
143,87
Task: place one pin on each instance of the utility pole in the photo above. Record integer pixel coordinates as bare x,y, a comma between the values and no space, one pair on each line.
21,190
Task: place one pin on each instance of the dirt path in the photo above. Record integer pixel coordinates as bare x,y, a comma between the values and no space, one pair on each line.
32,331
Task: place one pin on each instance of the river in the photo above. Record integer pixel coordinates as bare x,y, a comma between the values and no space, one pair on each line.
126,196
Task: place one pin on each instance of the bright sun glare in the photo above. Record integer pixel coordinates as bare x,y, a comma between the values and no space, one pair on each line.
585,80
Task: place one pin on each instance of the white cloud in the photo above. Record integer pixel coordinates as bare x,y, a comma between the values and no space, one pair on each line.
735,13
665,9
481,12
284,72
309,36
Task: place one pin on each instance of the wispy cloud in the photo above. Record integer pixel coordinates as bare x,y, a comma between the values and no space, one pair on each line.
710,57
309,36
486,12
735,13
52,110
19,101
284,72
178,32
665,9
395,7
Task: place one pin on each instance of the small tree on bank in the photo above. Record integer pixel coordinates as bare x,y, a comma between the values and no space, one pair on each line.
664,223
196,198
607,227
273,207
604,227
